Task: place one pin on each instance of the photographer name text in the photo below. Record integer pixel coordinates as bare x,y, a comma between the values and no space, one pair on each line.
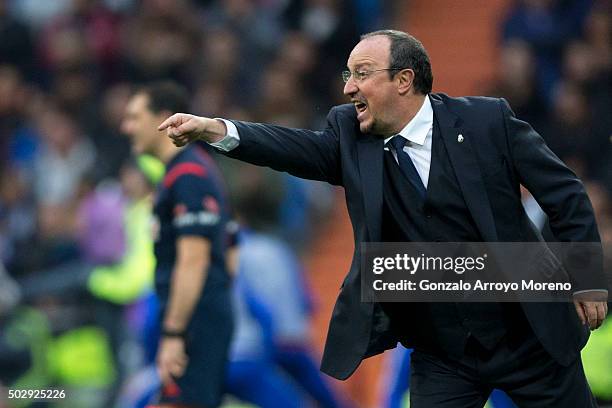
477,285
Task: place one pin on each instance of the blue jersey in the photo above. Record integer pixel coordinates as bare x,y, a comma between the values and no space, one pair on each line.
191,200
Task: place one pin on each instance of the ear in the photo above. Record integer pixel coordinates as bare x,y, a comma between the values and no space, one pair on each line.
405,79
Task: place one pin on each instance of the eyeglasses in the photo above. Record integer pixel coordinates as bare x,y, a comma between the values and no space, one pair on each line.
361,75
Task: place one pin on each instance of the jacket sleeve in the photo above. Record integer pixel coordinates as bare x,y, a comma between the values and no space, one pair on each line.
561,195
308,154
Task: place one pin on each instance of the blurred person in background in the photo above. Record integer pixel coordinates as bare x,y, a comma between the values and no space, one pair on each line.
546,25
99,29
331,25
191,279
17,218
63,159
251,32
115,236
252,375
517,83
17,45
460,347
19,141
588,73
113,149
17,138
572,132
570,114
225,76
284,97
271,276
172,27
597,34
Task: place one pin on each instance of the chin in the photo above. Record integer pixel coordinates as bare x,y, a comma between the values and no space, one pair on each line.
365,127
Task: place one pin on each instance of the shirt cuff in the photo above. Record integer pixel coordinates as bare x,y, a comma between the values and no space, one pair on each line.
231,139
590,290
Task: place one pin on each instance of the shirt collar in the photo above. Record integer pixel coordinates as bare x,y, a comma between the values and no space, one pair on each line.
417,129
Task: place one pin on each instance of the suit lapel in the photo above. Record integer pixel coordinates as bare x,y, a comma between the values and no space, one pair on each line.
370,159
463,159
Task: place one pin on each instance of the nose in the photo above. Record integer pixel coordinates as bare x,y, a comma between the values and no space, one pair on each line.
349,87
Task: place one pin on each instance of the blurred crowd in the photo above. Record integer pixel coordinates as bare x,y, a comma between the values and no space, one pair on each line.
555,70
75,304
68,67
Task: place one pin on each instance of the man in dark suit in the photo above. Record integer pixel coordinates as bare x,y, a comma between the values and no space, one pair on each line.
426,167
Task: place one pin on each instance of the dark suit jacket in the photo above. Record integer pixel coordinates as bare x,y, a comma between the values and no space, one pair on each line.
498,154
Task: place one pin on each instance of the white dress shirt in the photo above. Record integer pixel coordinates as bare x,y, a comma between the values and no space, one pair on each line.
419,132
231,139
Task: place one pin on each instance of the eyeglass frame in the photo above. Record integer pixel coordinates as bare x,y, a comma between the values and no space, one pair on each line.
361,75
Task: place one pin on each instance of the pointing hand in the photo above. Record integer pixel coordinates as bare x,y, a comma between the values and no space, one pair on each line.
184,128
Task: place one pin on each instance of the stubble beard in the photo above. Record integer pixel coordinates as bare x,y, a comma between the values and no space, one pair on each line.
375,128
365,128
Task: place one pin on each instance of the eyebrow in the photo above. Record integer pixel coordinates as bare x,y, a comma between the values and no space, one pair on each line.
362,65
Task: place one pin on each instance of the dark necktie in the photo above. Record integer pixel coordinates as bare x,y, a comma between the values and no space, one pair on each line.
406,164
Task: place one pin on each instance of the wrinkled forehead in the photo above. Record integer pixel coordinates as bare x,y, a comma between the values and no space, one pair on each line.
371,52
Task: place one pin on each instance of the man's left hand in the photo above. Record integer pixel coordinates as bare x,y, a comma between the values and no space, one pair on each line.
590,309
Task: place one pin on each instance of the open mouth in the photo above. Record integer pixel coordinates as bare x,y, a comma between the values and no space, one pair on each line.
360,107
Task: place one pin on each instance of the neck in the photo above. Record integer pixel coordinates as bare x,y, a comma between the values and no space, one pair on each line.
409,110
166,150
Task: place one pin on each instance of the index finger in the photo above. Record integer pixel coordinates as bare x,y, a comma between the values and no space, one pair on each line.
171,121
580,311
591,313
